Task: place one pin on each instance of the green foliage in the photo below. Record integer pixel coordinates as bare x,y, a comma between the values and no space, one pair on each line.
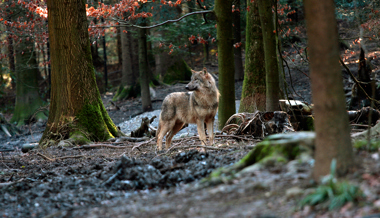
178,71
332,194
363,145
177,34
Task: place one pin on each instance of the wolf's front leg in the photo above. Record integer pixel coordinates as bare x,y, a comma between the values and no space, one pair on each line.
210,130
201,131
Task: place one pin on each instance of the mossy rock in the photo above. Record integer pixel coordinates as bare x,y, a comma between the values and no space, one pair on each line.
269,153
125,92
179,71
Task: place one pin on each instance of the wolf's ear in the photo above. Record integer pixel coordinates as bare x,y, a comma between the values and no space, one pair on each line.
193,71
205,70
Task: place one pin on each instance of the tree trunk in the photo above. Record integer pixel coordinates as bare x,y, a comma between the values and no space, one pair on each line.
253,94
331,119
271,67
223,12
127,77
76,108
11,58
239,71
144,71
28,99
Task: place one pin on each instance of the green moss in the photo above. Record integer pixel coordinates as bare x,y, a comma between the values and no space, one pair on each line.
266,152
179,71
309,120
79,138
363,145
91,119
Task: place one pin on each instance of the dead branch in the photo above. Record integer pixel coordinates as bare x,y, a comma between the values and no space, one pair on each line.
358,82
193,146
156,25
58,158
91,146
144,143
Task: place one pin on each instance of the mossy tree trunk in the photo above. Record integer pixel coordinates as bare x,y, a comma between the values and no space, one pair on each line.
28,99
253,94
144,70
239,71
223,12
271,66
331,119
76,107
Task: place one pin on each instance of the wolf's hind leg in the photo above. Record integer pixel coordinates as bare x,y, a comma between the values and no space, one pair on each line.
164,128
176,128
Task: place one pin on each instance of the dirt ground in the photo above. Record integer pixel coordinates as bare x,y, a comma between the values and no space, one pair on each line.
135,180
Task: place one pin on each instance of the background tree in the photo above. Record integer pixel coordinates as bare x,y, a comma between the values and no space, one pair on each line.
331,119
239,70
144,71
253,96
76,109
28,99
223,12
271,67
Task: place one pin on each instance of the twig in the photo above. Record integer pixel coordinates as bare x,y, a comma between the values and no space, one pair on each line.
91,146
159,24
45,157
143,143
193,146
357,82
9,183
360,125
58,158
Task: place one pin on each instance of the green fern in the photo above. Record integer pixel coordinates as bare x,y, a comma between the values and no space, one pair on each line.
332,193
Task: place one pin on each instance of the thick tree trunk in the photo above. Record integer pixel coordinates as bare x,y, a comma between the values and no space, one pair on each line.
331,120
253,94
144,71
28,99
239,71
271,67
223,12
76,107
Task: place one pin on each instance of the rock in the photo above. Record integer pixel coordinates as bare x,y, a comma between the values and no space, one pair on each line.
293,192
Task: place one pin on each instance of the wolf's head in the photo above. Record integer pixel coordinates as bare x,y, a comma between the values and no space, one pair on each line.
201,81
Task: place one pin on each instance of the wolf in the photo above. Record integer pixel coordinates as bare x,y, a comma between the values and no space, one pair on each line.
197,106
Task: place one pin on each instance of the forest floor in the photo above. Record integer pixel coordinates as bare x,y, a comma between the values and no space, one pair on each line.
137,181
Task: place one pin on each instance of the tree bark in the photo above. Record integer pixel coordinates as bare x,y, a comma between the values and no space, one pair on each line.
144,71
76,107
223,12
331,119
28,99
271,67
11,58
253,94
239,71
127,77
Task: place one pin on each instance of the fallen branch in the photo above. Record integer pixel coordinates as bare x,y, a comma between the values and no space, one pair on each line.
144,143
9,183
58,158
193,146
91,146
